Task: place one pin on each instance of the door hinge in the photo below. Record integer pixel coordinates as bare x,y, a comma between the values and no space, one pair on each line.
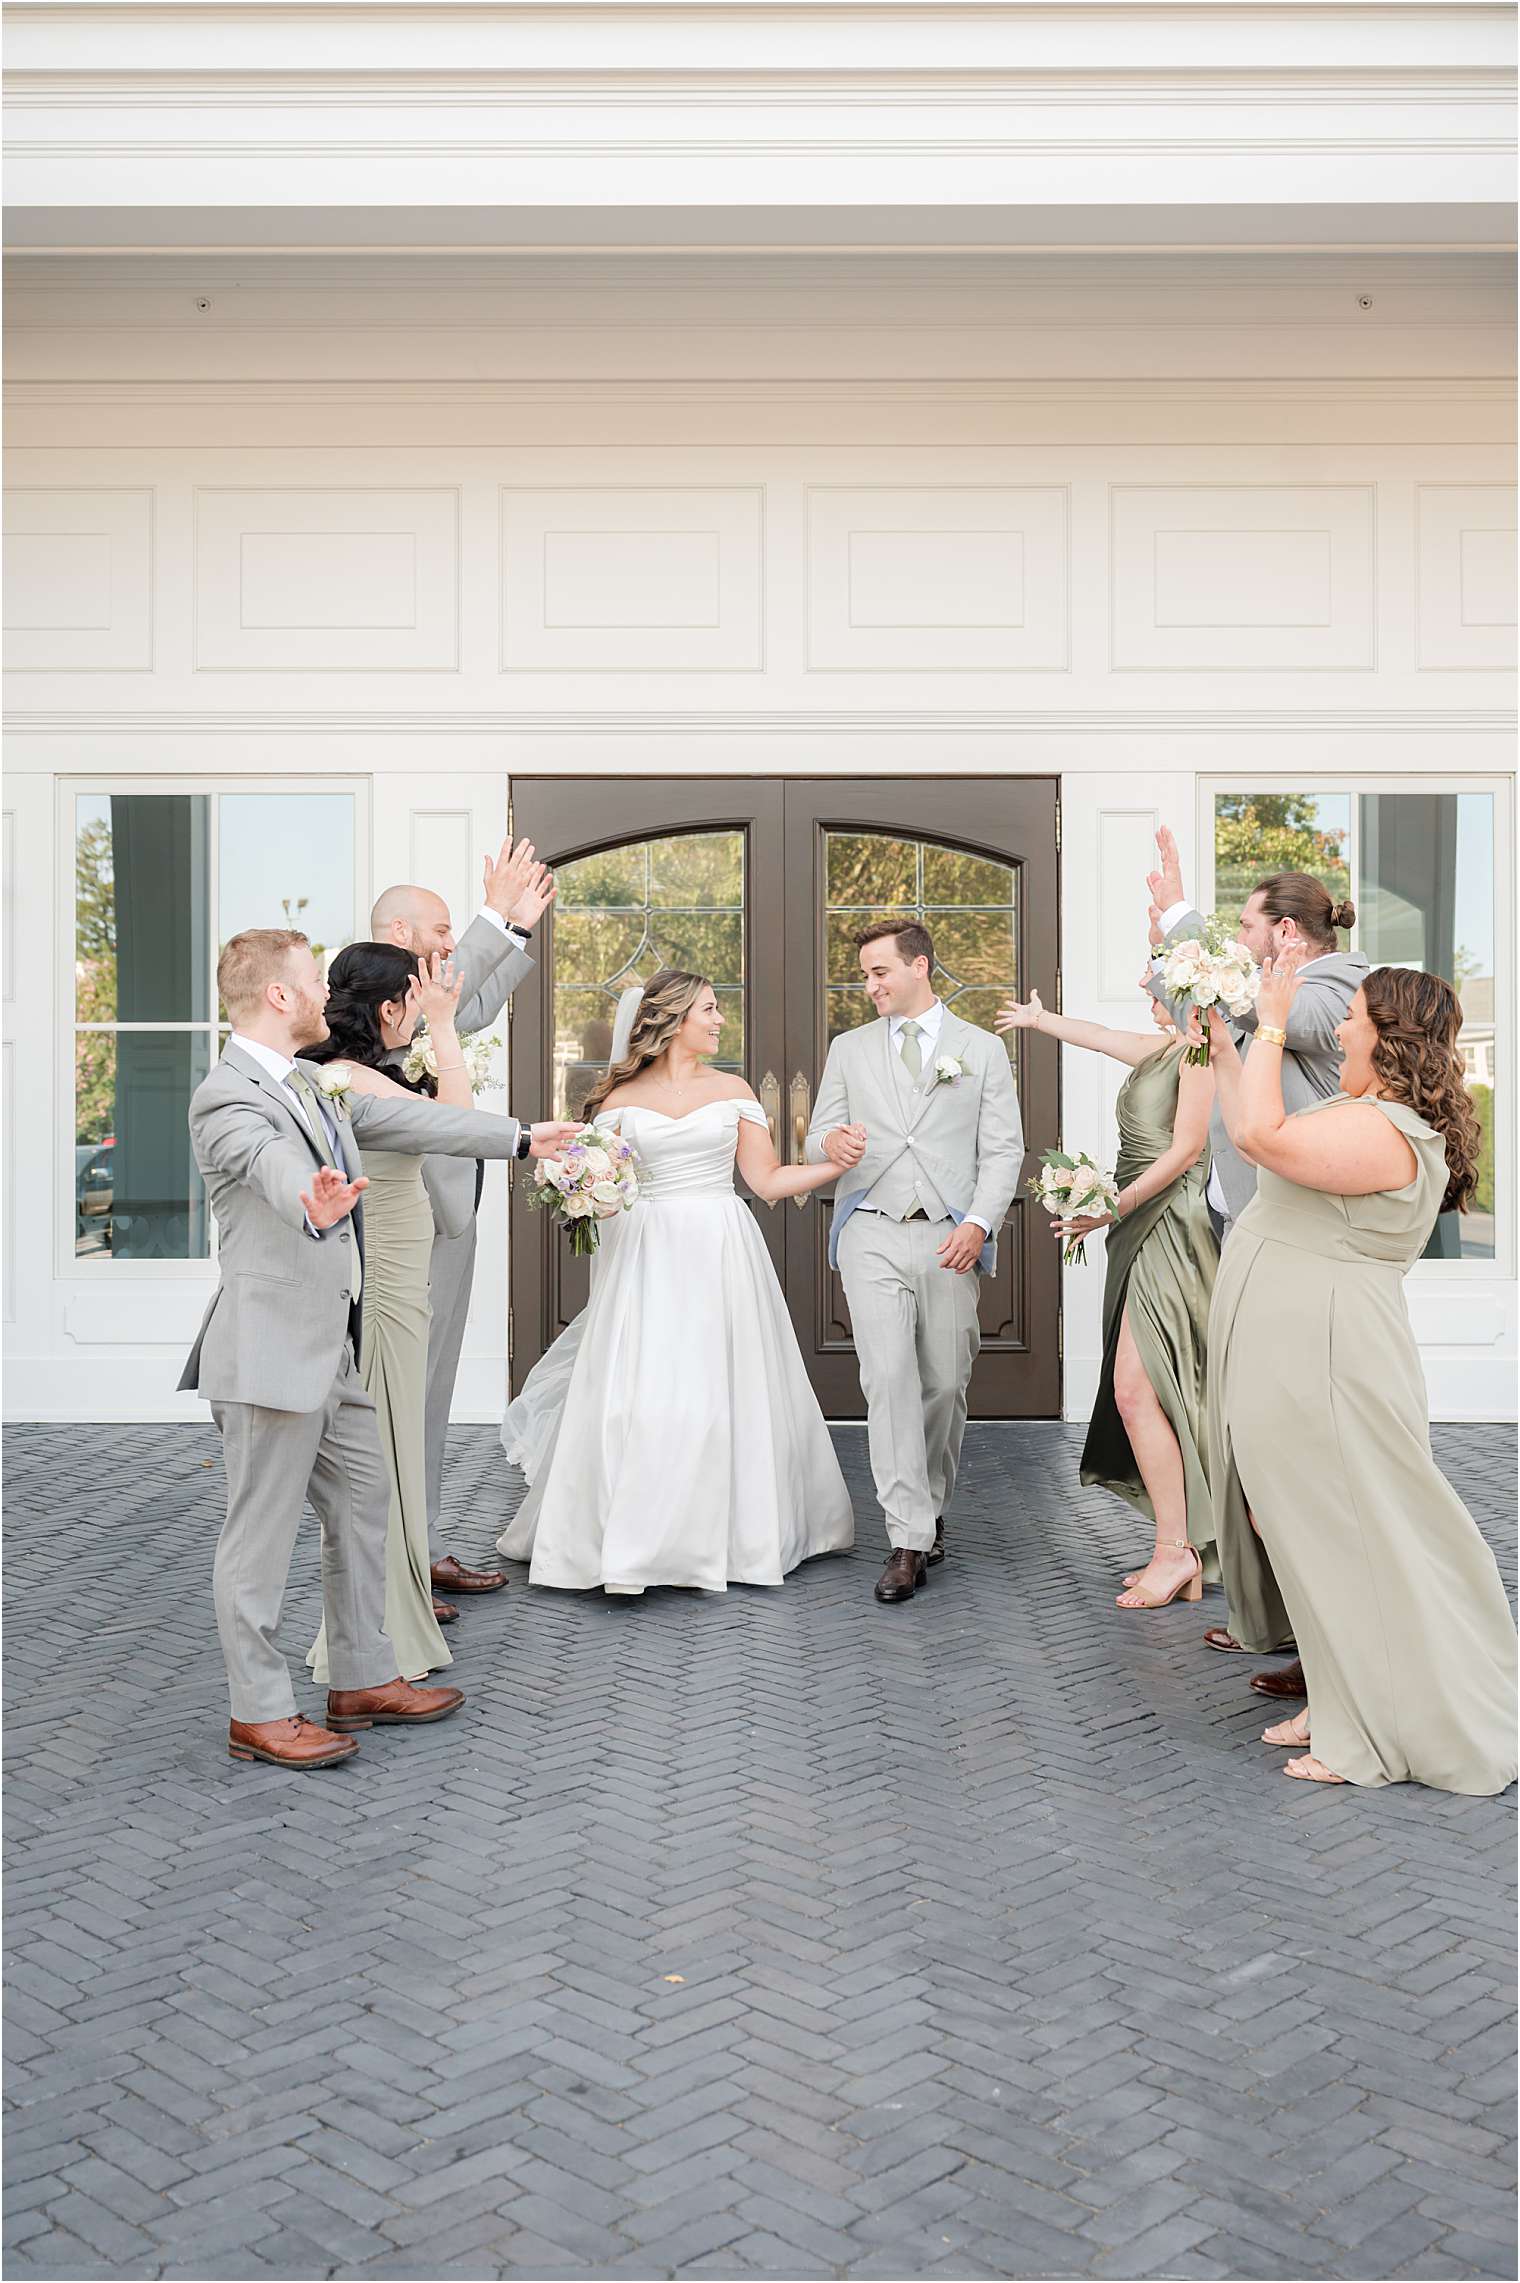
511,1326
510,826
1058,827
1060,1338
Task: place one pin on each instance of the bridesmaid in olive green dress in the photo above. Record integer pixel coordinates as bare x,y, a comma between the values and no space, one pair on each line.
1148,1437
378,994
1353,1540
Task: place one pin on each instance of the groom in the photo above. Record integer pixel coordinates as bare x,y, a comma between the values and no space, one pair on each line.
916,1215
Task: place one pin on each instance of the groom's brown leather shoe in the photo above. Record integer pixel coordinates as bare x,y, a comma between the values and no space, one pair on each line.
444,1611
453,1577
293,1743
395,1703
903,1575
936,1552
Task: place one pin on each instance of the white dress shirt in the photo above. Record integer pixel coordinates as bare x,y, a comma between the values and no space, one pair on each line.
508,928
1169,920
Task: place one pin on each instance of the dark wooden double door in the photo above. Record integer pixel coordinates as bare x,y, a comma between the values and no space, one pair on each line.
761,884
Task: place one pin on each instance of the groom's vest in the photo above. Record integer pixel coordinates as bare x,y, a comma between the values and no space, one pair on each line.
905,1188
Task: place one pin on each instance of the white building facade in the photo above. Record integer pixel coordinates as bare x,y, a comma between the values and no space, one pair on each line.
415,411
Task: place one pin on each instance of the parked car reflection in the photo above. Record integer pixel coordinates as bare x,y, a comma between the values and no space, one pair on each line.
93,1179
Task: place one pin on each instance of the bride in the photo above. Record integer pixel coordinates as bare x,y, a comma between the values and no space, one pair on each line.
670,1436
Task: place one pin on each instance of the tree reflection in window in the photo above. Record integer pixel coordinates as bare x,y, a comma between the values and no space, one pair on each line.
624,912
968,903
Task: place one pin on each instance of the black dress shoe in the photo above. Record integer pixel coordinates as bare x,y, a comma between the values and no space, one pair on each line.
903,1575
936,1552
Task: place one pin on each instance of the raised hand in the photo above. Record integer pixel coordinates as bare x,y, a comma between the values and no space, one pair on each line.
1279,982
435,993
1017,1017
845,1146
332,1197
1165,884
550,1139
535,899
1157,931
508,880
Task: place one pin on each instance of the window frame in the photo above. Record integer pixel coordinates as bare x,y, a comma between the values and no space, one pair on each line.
1321,783
104,784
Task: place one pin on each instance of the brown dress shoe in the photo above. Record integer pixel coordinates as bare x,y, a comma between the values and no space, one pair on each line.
903,1575
455,1578
293,1743
444,1611
395,1704
936,1552
1288,1682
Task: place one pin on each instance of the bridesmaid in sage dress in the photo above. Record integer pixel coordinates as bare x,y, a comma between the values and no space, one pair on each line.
1318,1408
378,994
1148,1437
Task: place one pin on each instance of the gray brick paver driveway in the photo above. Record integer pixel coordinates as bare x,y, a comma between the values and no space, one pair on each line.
777,1933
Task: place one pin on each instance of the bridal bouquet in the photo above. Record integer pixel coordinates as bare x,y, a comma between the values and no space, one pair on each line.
1069,1188
422,1056
594,1179
1208,971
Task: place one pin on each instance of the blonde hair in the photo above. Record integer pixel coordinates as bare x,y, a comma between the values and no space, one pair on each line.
250,962
668,999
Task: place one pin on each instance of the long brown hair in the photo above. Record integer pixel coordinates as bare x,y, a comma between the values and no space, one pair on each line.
1415,1061
1299,897
668,999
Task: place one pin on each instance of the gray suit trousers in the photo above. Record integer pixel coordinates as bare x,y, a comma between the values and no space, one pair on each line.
916,1339
451,1276
275,1461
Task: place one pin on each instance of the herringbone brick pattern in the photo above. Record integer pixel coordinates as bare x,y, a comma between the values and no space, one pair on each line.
776,1933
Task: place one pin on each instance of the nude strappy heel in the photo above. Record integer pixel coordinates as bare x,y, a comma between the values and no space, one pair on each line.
1190,1589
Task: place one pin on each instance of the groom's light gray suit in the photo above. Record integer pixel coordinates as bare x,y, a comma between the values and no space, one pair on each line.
937,1153
489,965
276,1359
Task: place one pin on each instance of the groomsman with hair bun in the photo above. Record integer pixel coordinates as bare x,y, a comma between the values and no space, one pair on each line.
490,959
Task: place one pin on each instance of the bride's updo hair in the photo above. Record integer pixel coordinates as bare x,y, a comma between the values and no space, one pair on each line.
668,999
1416,1061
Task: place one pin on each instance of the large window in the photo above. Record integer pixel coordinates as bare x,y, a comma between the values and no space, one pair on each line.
161,880
1419,862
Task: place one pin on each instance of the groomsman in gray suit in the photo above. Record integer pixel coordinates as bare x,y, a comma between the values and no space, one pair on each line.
920,1114
277,1352
1292,915
490,959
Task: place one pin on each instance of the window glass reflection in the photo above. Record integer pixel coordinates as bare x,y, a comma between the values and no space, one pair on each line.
287,860
137,1193
968,903
623,912
142,907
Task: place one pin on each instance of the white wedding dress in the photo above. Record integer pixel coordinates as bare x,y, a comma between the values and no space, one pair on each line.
670,1436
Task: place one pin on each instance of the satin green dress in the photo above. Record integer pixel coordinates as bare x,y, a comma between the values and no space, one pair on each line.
1162,1260
398,1249
1366,1555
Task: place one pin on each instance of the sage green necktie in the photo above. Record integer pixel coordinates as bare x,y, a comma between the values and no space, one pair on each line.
306,1095
913,1061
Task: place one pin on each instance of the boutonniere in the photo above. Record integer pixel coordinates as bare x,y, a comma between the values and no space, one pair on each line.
948,1069
336,1080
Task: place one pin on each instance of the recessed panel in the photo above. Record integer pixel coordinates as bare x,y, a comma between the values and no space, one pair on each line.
937,579
350,581
1242,578
78,581
1255,578
621,581
1466,545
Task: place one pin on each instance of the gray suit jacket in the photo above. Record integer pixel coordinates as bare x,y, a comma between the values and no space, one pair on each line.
490,968
968,1135
1311,1063
274,1331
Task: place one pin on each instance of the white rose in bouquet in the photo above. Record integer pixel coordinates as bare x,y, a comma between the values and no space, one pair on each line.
594,1178
1214,970
1072,1189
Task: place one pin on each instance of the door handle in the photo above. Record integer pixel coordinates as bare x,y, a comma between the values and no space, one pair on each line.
770,1103
801,1105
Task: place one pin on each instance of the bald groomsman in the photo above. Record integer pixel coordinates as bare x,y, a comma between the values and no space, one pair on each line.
491,958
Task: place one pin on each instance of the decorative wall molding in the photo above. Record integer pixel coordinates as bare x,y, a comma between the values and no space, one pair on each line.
1129,721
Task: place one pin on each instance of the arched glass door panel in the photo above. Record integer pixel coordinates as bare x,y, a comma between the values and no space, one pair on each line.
625,911
967,901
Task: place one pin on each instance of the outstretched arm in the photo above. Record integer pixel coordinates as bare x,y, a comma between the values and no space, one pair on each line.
1121,1046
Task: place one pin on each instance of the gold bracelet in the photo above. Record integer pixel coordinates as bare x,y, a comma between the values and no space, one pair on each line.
1270,1036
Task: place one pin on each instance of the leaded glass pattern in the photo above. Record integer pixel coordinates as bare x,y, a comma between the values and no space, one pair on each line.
623,913
968,903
